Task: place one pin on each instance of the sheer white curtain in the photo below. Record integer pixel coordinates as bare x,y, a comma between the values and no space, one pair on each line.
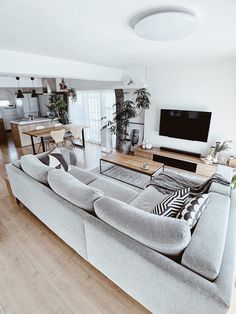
90,107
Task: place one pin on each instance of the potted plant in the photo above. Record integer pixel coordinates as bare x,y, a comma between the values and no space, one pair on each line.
128,110
234,182
58,108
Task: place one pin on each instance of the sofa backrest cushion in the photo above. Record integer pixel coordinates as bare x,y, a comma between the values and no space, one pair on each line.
227,174
35,168
73,190
148,198
163,234
82,175
205,250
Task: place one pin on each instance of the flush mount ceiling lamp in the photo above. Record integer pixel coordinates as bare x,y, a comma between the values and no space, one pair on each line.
34,94
19,92
166,25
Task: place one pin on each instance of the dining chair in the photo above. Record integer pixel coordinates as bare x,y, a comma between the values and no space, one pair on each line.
58,136
74,134
46,139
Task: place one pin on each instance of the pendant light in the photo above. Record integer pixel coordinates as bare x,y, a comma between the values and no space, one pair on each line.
34,94
19,92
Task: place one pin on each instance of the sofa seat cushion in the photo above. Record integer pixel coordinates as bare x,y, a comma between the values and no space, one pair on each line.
205,250
35,168
148,199
71,189
227,174
82,175
113,189
163,234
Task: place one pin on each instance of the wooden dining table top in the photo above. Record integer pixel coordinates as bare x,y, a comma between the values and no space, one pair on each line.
47,131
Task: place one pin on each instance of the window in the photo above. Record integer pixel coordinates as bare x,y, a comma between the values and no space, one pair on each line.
90,107
4,103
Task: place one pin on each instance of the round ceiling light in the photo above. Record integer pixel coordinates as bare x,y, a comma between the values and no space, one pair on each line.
167,25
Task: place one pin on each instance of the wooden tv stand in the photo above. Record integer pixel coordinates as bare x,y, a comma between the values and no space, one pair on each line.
177,160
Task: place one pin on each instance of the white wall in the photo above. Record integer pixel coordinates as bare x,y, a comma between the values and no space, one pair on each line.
207,87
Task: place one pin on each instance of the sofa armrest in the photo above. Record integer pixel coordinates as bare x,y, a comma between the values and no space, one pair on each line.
164,234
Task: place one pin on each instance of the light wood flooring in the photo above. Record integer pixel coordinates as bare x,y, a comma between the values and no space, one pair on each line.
39,273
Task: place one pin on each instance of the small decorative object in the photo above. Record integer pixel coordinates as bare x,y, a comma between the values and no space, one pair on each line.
146,166
232,162
126,80
63,85
223,157
134,136
219,147
144,144
148,146
209,158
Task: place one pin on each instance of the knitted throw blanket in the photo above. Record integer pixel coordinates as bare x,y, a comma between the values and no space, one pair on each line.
168,182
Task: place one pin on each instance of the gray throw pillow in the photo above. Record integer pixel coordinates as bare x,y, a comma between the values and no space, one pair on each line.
193,210
71,189
172,204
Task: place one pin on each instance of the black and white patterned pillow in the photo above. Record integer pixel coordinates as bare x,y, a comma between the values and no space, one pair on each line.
172,204
55,160
193,210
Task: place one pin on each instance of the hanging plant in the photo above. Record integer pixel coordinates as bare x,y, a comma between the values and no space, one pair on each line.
72,93
142,100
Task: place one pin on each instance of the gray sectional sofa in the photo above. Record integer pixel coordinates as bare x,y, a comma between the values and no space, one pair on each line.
155,260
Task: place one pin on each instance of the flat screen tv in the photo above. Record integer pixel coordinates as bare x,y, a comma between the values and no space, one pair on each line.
188,125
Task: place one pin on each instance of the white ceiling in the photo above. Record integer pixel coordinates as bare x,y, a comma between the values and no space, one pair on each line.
99,32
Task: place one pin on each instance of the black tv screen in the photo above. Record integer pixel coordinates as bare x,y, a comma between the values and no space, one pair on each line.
188,125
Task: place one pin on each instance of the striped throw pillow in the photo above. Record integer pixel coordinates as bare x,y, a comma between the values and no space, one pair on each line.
172,204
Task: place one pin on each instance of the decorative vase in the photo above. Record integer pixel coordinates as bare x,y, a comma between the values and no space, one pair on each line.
106,140
134,136
144,144
124,146
215,158
224,157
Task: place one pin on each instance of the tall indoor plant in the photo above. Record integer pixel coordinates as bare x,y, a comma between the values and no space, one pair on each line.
129,109
58,108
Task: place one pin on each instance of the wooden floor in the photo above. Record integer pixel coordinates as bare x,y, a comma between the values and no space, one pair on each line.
39,273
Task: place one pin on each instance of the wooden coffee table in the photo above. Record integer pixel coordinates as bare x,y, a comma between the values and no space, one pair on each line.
133,163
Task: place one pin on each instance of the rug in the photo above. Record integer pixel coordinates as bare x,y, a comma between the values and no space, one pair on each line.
140,180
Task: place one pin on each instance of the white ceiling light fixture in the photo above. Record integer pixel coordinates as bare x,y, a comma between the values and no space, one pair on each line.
166,25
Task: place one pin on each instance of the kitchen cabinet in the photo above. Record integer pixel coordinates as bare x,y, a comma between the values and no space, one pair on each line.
18,128
2,131
30,105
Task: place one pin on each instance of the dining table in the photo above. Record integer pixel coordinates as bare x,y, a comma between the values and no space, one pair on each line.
42,133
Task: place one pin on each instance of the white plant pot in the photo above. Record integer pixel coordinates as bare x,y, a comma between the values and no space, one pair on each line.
106,141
